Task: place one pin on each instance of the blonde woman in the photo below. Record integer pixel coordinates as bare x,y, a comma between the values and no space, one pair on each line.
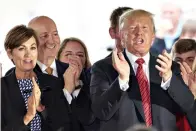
72,48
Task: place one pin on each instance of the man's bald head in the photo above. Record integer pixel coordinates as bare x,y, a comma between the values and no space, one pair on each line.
40,21
47,33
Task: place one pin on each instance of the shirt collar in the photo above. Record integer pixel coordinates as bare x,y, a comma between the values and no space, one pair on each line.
43,67
132,58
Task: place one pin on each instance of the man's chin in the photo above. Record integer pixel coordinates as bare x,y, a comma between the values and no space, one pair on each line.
46,56
50,52
50,57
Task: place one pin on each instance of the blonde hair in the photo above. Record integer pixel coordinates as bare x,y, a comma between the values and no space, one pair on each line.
131,14
64,44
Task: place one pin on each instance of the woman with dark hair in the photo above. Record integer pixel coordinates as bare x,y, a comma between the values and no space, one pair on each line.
25,93
19,89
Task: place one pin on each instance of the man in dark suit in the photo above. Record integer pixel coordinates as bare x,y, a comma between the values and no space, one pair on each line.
49,43
135,87
76,87
184,52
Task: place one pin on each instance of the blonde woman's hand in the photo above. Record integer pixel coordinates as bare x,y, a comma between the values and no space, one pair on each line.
69,78
78,67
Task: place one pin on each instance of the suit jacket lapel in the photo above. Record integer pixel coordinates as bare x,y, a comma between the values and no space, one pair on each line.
153,72
37,68
52,88
15,94
43,81
58,68
134,91
61,67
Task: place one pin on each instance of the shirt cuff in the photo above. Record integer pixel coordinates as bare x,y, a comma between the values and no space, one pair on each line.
67,96
165,85
124,85
76,92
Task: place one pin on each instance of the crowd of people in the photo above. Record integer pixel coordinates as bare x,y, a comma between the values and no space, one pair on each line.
147,83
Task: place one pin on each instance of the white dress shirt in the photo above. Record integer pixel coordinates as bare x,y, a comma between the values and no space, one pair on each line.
75,93
132,58
44,67
54,73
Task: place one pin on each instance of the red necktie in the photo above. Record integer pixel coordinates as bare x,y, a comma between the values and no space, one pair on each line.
144,91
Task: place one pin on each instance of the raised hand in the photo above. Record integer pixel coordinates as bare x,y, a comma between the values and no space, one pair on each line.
37,95
165,61
192,83
120,65
31,111
185,71
36,92
69,78
33,103
77,62
189,77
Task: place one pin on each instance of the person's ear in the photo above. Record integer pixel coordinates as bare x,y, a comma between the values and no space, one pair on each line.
9,53
153,38
112,32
